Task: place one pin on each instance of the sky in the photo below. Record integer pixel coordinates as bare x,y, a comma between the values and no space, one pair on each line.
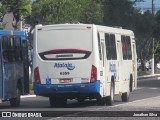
147,5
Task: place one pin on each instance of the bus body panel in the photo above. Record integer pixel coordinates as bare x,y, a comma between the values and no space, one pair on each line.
64,64
123,68
57,74
13,72
67,89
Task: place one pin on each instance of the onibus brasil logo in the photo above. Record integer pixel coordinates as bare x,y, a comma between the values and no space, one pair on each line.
69,66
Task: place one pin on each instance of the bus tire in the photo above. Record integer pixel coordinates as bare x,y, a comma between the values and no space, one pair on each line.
80,100
131,84
101,101
15,102
125,96
57,102
110,99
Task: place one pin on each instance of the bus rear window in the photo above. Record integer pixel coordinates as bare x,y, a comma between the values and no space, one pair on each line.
65,54
64,44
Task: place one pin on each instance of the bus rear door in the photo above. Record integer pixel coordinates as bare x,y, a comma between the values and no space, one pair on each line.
26,66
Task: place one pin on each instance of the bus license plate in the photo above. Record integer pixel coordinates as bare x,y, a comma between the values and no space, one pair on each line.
65,80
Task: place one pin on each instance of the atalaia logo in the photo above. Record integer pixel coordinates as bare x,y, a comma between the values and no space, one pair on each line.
68,65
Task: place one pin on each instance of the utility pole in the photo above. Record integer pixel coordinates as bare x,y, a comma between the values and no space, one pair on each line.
152,72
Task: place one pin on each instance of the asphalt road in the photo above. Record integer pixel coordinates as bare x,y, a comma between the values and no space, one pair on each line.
144,101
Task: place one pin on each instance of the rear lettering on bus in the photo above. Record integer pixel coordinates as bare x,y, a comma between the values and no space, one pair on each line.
69,66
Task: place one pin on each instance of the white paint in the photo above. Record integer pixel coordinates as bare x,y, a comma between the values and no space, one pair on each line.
27,96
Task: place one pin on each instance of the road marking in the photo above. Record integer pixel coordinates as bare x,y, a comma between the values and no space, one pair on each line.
55,118
153,88
27,96
139,88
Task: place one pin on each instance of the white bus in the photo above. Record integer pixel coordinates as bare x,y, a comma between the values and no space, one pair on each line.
84,61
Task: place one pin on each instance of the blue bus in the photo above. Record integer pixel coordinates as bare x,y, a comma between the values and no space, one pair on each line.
14,70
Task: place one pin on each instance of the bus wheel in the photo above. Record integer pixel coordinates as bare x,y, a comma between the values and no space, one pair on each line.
101,101
110,99
80,100
57,102
15,102
131,84
125,96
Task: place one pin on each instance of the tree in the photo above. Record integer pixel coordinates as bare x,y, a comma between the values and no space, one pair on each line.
106,12
91,11
122,13
2,9
143,28
67,11
118,13
20,8
2,12
157,36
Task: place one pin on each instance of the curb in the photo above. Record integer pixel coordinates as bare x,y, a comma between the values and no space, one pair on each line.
27,96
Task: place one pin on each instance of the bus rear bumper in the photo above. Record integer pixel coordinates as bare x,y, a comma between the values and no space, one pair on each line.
67,89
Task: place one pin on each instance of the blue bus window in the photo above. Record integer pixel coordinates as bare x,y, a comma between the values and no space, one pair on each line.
5,48
17,48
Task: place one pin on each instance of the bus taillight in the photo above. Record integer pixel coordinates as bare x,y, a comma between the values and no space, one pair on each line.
37,76
93,74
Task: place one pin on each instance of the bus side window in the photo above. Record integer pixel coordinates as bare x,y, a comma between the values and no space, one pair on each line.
113,47
128,41
124,47
11,50
99,47
108,46
5,48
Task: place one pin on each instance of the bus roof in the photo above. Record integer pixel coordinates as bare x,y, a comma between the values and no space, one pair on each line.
98,27
14,32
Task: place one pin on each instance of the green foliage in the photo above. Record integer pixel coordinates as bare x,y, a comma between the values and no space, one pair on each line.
144,24
157,36
118,13
67,11
91,11
24,8
19,8
157,25
2,9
